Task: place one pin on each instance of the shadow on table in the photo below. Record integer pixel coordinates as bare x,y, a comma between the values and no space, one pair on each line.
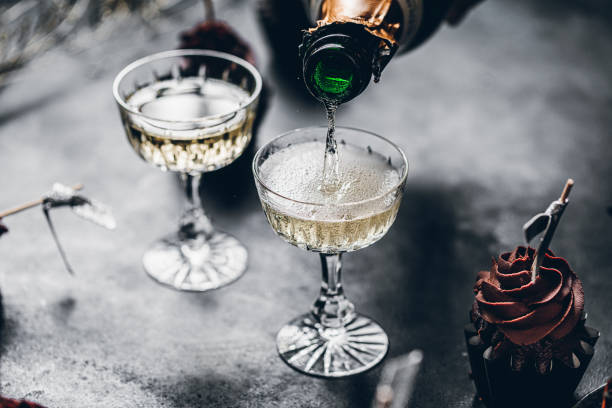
8,328
2,331
63,309
358,391
424,303
208,391
231,189
440,241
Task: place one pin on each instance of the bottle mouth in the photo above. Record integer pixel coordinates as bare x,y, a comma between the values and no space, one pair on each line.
334,72
336,68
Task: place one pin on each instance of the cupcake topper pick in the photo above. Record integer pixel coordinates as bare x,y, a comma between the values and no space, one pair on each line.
546,223
209,10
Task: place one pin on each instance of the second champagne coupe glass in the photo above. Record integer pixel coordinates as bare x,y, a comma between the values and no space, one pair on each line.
332,340
190,111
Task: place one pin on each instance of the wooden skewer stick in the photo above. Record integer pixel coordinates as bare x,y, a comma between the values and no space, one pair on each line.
567,190
555,211
209,10
31,204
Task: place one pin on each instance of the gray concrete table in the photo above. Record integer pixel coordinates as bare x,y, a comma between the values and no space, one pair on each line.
493,115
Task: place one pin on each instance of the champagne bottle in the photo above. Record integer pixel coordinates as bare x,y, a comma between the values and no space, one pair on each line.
353,40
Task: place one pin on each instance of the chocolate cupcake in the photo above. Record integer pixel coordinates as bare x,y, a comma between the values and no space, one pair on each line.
527,341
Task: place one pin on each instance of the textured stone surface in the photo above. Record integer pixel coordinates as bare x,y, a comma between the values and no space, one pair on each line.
493,116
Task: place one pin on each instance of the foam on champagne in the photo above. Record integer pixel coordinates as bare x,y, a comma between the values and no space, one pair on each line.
296,172
357,212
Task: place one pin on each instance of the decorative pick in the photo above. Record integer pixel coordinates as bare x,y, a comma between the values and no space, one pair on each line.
546,223
397,380
29,204
209,10
62,196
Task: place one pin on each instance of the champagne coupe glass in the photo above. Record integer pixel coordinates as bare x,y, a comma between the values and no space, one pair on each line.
332,340
190,112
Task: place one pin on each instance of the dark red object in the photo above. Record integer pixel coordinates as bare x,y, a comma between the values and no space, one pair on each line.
527,343
528,312
219,36
11,403
607,395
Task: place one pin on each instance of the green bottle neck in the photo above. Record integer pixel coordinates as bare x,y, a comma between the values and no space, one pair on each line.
334,74
339,60
336,66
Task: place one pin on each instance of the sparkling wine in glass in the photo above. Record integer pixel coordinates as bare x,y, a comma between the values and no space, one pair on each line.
190,112
332,340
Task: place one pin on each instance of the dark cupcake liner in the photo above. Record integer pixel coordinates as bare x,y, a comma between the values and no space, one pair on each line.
498,386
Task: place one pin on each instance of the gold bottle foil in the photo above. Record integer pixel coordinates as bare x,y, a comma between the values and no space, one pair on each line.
373,15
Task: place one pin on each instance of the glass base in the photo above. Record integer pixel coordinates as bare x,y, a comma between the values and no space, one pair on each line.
196,264
312,349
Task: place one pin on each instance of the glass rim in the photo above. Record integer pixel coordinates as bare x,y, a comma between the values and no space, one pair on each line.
396,186
181,53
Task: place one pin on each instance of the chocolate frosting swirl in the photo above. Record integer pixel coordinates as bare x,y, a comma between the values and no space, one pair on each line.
524,311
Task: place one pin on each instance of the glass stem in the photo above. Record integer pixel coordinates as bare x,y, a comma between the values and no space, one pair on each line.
194,221
332,309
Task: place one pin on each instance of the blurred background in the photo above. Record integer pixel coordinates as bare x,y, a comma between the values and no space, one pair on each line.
494,116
